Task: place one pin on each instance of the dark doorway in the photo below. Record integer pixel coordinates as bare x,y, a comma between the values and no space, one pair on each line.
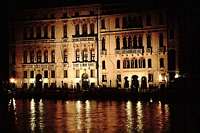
38,84
126,83
144,83
134,83
85,81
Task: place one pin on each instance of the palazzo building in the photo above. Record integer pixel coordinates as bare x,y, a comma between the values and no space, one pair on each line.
92,45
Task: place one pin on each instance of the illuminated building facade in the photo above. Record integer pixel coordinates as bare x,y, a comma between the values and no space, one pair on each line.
92,45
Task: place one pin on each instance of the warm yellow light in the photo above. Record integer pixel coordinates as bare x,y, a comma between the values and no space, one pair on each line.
176,76
12,80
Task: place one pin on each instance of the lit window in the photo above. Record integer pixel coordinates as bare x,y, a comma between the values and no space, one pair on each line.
85,55
92,55
77,55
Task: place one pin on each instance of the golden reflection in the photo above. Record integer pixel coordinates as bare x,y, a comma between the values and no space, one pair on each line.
41,115
129,116
78,115
32,112
88,117
139,117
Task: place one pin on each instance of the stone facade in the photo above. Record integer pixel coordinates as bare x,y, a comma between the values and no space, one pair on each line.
88,45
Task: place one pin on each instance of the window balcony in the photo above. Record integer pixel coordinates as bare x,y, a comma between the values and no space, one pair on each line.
84,64
39,41
129,51
77,39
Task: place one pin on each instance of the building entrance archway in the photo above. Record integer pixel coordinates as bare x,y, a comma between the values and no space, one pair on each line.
38,83
85,81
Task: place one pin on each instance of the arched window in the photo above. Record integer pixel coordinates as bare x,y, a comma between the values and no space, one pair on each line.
53,32
161,62
126,63
135,41
149,63
117,23
65,56
45,56
77,55
143,63
65,31
118,64
103,44
132,63
140,63
84,29
77,29
160,39
117,43
45,31
140,41
85,55
136,63
148,40
39,56
124,43
53,56
32,56
92,55
129,42
92,29
25,57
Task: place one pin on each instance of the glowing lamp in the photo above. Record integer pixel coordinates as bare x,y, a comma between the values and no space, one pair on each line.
176,76
12,80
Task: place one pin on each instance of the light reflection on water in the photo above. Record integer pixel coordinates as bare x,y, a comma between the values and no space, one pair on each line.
90,116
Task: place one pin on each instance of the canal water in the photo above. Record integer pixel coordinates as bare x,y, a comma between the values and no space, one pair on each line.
92,116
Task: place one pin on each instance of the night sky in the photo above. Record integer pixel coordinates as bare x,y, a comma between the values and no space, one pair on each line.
188,12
